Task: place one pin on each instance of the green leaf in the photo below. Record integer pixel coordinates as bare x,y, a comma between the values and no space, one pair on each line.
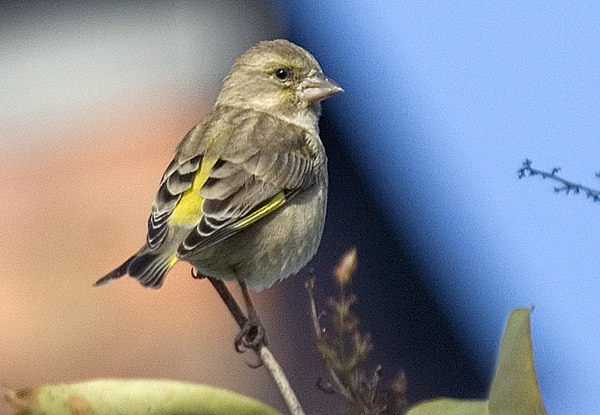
134,397
514,390
450,407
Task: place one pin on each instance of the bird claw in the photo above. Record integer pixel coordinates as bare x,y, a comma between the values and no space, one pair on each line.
250,337
195,274
252,334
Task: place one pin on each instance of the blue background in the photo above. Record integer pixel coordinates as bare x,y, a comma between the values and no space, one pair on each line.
443,103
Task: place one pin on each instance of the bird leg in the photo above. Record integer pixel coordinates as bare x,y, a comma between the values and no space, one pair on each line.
253,333
230,302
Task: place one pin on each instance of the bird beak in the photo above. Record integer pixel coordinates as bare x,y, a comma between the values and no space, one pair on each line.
317,87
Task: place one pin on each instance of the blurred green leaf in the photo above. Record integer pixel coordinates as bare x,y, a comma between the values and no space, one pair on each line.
514,390
450,407
134,397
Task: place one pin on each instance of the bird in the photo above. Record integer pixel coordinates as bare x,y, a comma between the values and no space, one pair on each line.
244,197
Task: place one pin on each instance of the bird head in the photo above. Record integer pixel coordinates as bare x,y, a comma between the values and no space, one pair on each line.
278,77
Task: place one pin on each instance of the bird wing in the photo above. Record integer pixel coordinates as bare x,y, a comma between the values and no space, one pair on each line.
177,180
237,195
218,196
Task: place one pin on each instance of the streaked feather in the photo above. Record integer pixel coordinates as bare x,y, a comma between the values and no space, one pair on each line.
254,152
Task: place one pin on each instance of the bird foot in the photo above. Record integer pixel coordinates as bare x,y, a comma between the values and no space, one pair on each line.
195,274
251,336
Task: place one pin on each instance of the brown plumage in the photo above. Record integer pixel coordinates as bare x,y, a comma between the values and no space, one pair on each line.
244,197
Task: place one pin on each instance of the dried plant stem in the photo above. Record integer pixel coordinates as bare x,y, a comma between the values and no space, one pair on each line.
261,351
338,386
345,349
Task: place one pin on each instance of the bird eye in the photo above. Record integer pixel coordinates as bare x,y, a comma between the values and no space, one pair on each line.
282,73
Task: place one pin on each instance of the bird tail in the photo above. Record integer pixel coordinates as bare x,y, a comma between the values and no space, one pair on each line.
149,269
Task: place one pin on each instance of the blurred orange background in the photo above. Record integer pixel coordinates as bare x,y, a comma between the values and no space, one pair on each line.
95,100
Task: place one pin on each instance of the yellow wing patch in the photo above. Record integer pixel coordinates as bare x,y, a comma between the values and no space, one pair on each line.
173,260
276,202
188,210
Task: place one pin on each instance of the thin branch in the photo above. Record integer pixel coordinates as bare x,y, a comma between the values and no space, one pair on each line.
566,186
280,380
315,317
265,355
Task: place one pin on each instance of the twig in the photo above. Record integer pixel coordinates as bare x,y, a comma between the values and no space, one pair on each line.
261,351
345,350
339,387
281,380
567,186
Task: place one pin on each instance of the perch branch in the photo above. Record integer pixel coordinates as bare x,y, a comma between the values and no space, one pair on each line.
261,351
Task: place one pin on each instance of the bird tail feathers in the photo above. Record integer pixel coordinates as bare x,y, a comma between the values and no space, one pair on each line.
149,269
